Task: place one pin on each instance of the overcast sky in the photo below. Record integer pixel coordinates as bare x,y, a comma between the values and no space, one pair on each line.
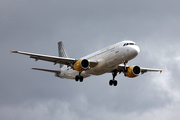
85,27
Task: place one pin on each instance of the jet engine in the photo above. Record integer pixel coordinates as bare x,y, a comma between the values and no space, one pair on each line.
133,71
81,65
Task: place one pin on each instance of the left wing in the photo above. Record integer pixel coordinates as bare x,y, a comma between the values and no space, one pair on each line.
144,70
120,68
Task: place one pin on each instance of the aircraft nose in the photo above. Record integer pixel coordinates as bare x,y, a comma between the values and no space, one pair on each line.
136,50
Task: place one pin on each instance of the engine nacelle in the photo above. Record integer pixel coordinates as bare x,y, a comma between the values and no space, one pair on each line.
81,65
133,71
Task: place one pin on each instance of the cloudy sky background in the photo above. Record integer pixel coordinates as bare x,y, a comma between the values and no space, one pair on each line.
85,27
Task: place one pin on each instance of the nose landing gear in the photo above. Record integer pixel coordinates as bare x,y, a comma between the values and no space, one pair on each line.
114,74
113,82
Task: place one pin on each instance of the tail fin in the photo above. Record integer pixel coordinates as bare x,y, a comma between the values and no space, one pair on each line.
62,51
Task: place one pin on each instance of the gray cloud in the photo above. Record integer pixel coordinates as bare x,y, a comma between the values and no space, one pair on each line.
84,27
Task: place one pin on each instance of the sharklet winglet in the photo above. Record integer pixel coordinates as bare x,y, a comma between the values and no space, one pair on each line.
13,51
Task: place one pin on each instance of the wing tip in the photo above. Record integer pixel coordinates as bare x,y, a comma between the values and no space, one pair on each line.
13,51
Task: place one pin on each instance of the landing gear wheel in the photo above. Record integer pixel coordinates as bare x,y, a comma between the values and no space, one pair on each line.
113,82
77,78
81,78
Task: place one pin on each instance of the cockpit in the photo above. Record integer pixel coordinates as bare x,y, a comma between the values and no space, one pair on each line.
126,44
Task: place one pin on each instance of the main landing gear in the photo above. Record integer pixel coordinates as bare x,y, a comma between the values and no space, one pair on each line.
79,78
113,82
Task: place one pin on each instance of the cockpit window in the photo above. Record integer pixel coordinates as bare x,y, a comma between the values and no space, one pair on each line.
126,44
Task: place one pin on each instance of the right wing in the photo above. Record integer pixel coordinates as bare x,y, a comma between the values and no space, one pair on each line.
54,59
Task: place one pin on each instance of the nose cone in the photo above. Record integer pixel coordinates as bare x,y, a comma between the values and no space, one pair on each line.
136,50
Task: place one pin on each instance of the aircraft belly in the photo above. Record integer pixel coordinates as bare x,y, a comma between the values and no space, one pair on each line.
71,74
97,72
100,71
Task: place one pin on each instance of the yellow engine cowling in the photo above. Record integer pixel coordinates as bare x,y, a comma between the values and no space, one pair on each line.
133,71
81,65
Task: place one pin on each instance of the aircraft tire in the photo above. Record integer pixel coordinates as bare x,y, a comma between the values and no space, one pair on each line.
77,78
81,78
111,82
115,82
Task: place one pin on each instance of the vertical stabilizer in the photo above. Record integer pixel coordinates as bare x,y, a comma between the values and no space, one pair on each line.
62,51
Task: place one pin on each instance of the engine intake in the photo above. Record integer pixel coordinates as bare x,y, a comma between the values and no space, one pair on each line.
81,65
133,71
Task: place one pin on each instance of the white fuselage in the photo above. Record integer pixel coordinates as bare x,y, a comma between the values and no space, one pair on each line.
108,59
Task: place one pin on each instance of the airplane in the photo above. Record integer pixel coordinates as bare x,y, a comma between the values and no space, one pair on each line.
112,59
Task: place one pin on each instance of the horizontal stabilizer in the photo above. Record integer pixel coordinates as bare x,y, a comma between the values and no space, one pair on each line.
47,70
